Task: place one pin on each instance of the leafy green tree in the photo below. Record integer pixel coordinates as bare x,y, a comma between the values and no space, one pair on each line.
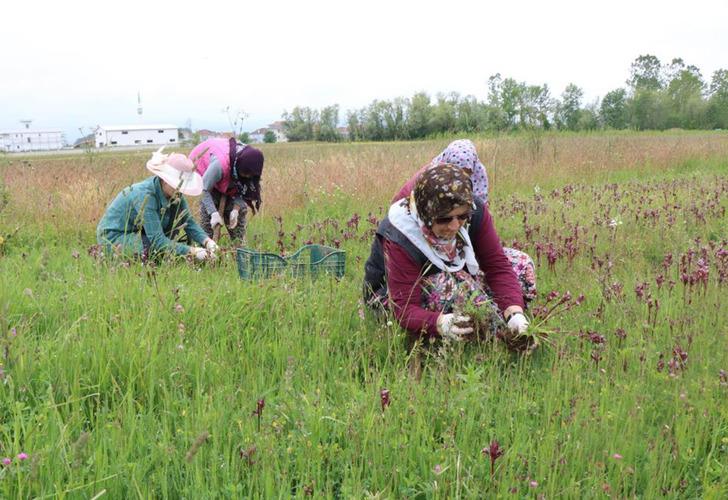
588,117
717,107
443,113
512,98
613,109
374,126
568,111
536,106
471,116
647,110
300,124
354,123
394,114
496,117
684,94
719,84
269,137
513,104
327,129
657,97
244,137
419,116
646,74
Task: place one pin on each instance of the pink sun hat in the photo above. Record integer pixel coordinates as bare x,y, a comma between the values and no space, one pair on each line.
176,170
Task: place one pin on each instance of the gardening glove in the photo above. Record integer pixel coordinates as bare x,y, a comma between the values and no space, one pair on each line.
449,326
200,254
215,220
211,247
233,220
518,323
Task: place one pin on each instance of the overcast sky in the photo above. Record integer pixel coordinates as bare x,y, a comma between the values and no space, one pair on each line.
78,64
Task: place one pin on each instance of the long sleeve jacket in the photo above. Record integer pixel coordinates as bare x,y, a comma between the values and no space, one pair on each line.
143,207
404,276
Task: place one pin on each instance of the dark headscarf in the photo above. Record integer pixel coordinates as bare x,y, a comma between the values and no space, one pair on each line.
440,189
246,167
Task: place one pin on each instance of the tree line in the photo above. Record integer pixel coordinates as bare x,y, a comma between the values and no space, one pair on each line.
656,96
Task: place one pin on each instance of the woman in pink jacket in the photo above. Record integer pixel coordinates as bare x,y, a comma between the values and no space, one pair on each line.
230,171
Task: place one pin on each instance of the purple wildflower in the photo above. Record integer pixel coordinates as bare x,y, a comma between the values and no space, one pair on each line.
384,398
494,451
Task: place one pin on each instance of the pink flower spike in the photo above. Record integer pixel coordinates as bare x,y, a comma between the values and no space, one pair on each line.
22,456
7,461
617,456
533,484
384,398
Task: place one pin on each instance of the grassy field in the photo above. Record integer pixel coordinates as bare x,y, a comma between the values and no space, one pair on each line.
125,381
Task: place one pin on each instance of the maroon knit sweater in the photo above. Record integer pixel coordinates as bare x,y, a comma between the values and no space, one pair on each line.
403,279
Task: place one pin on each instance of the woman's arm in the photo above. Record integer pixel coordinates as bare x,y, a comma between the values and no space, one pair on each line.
498,271
152,223
212,176
405,292
192,228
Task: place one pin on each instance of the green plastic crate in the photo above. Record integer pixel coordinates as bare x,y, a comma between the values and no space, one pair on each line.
309,260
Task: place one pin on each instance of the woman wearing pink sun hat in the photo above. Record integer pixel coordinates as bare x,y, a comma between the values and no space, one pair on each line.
152,218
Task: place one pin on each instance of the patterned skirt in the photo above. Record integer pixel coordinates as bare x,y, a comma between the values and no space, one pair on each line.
445,291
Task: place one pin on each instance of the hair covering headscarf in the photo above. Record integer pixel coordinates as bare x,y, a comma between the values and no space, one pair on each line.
440,189
437,192
462,153
246,167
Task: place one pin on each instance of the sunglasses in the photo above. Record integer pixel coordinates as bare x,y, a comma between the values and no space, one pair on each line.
448,219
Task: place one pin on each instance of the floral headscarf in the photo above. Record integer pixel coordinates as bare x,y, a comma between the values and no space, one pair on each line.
441,189
437,192
462,153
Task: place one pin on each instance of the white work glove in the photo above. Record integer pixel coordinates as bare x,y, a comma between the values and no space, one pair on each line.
215,220
448,326
211,247
518,323
200,254
233,218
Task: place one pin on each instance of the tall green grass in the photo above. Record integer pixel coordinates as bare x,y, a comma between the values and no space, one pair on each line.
112,371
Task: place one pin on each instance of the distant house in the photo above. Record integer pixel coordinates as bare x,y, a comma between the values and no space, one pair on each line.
278,130
276,127
343,132
27,139
135,135
258,134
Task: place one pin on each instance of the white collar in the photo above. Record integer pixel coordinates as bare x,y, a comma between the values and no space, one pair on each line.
408,223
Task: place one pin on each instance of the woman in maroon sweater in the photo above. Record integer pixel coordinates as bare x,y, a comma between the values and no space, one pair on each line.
436,250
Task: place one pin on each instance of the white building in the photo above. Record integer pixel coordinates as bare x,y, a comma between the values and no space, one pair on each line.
278,130
257,135
135,135
275,127
31,140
